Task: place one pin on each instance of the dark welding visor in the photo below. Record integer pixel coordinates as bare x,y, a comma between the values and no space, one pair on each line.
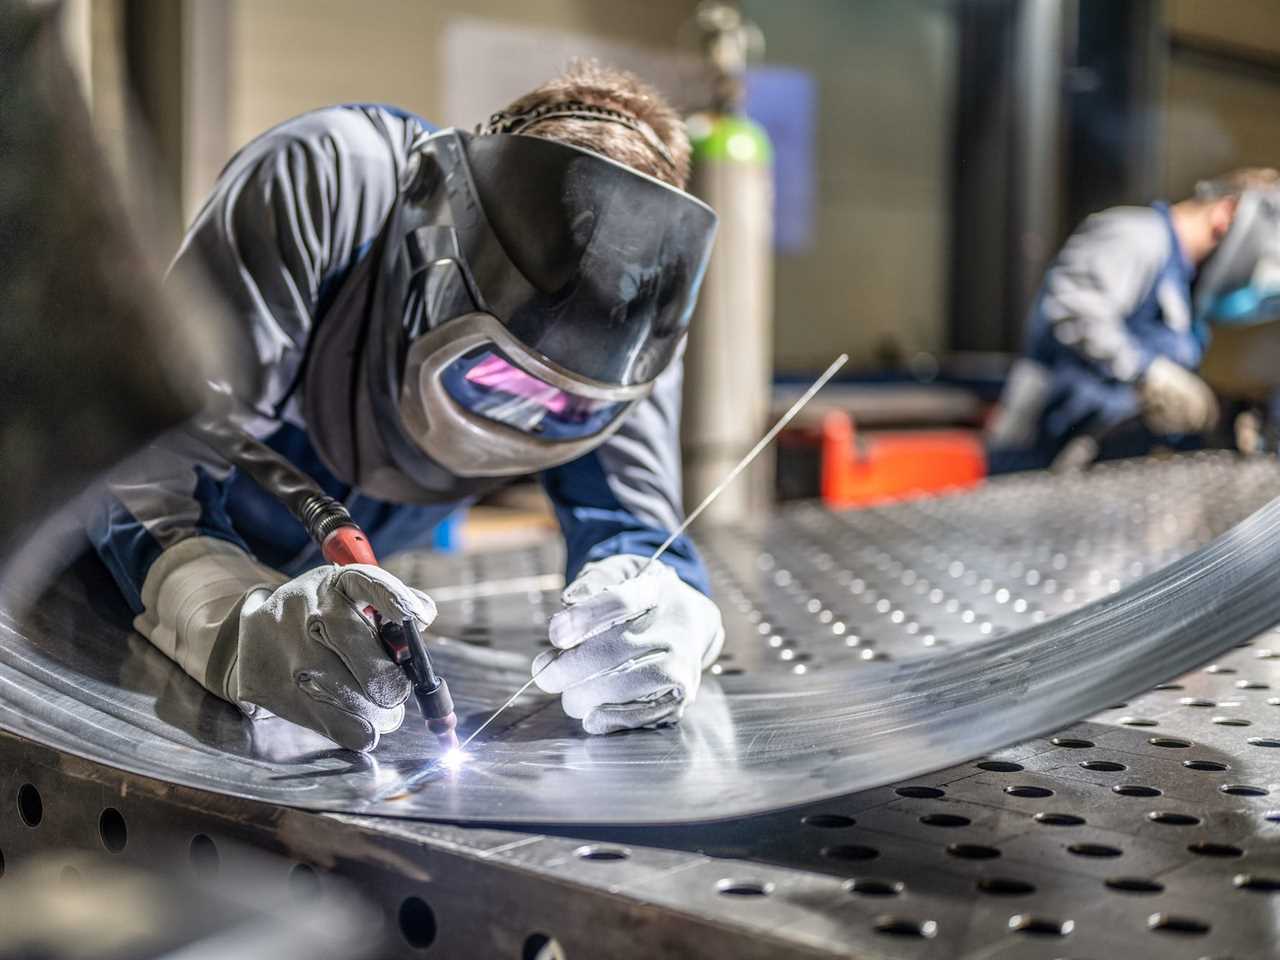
584,261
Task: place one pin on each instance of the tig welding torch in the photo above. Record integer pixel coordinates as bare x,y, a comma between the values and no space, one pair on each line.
342,542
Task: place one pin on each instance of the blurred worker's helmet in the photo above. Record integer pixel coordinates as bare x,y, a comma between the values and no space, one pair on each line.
527,293
1240,283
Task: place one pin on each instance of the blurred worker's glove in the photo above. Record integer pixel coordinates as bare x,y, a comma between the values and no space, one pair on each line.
1078,454
301,649
630,646
1250,439
1175,400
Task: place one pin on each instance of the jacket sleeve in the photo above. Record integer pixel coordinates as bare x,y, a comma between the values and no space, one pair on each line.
625,496
1103,273
286,219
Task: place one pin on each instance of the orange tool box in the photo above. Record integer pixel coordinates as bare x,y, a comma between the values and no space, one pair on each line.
857,471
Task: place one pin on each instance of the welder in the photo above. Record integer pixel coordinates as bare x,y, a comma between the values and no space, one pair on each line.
426,314
1116,337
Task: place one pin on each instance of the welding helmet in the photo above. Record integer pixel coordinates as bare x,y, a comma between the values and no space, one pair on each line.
528,294
1240,283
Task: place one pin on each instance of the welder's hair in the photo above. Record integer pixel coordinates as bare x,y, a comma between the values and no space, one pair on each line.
1236,182
607,111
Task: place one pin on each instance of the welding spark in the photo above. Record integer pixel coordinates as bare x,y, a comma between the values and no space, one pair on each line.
454,759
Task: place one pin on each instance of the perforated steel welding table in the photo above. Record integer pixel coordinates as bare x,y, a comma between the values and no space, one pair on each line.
1151,829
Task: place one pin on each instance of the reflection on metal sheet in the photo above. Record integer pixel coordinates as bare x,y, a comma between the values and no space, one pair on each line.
864,647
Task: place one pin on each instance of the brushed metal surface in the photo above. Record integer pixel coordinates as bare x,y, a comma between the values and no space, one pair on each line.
864,647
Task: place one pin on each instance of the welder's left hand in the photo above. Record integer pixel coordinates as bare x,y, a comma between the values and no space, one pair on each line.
630,646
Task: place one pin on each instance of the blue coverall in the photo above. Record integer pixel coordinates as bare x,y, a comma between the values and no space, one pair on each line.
289,220
1117,296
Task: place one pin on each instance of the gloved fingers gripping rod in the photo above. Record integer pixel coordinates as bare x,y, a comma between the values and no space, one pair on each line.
342,542
693,515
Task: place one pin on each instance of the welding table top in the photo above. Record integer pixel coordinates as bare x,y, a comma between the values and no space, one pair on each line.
862,647
1150,830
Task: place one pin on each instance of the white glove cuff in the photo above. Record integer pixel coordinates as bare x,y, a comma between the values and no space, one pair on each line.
189,591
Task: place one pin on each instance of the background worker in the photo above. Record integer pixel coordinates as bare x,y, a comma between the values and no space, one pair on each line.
1114,338
424,315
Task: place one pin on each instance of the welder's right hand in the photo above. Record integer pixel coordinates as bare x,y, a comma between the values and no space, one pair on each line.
1175,400
306,652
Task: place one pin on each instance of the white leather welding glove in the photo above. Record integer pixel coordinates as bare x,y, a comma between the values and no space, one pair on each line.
301,649
1175,400
630,646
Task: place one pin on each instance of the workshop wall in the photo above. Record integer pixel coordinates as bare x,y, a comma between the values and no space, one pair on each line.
1250,25
1223,111
873,281
872,278
1223,103
289,56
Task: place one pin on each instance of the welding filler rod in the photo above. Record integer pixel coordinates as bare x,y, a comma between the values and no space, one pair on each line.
732,475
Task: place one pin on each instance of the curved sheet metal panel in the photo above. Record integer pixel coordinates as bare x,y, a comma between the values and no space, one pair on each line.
864,647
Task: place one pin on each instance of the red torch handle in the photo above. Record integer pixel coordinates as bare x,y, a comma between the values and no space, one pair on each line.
348,545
